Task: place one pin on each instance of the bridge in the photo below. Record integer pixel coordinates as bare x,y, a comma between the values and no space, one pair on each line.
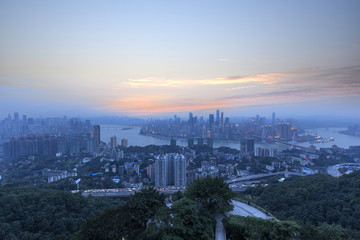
262,175
126,192
281,142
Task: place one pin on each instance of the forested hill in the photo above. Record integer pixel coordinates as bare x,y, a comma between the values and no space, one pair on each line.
315,199
31,213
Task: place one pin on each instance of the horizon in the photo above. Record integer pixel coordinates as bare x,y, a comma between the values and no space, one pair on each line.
151,60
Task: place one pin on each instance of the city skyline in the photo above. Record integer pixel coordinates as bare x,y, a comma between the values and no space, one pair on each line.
160,58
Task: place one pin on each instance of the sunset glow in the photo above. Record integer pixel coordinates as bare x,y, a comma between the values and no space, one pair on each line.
164,58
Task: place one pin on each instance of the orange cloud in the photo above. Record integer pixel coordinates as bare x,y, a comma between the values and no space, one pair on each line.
161,82
158,104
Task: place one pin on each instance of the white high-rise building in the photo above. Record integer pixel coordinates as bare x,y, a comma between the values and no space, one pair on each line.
161,167
170,170
180,171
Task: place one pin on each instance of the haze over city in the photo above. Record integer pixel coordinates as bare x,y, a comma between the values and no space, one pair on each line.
157,58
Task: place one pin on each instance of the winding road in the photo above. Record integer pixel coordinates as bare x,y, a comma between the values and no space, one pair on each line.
240,209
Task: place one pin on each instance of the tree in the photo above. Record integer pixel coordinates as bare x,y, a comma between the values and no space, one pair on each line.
144,204
182,221
213,194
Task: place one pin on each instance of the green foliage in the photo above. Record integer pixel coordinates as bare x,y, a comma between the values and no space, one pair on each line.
30,213
213,194
184,220
113,223
328,232
144,204
315,199
127,221
177,196
252,228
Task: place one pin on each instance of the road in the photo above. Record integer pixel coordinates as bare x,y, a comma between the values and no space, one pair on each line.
240,209
334,170
262,175
250,177
220,233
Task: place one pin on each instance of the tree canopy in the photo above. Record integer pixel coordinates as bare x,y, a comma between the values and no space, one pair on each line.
212,193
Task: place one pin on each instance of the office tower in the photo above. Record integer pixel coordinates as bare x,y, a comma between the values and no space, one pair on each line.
250,146
285,131
247,146
273,119
190,142
151,171
222,120
190,117
273,130
172,142
16,116
210,142
180,171
113,142
217,117
211,121
161,166
124,142
97,133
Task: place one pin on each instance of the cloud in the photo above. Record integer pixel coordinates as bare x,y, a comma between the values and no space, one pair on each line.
225,60
158,104
171,83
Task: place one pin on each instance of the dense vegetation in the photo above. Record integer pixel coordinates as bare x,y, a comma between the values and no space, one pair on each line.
145,215
251,228
31,213
314,200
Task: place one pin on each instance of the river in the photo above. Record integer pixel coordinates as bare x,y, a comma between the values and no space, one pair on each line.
135,139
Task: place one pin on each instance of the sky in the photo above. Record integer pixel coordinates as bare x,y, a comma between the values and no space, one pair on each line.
159,58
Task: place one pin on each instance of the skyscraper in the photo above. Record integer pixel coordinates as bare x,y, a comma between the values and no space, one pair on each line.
211,121
180,171
16,116
97,133
124,142
113,142
170,170
217,117
190,117
222,120
161,166
247,146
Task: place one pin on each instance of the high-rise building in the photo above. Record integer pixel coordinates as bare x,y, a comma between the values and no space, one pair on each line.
190,117
170,170
161,171
217,117
190,142
16,116
97,133
222,120
124,142
113,142
247,146
211,121
180,171
173,142
210,142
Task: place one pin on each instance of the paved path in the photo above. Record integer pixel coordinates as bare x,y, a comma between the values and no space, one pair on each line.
240,209
220,230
